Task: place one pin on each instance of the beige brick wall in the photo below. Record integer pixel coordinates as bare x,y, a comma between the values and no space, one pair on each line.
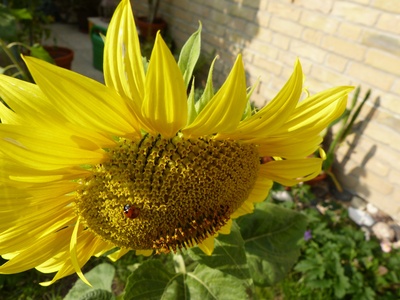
338,42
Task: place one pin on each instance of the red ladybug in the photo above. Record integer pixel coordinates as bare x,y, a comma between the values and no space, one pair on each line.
131,212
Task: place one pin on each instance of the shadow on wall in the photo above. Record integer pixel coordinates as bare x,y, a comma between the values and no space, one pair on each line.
359,171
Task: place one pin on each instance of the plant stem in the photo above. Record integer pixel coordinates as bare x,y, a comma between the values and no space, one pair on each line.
15,63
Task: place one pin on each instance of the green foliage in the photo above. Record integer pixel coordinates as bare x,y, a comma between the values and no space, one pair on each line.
346,121
189,55
271,235
100,277
266,252
338,263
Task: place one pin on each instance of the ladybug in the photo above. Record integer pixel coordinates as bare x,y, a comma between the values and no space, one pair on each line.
131,212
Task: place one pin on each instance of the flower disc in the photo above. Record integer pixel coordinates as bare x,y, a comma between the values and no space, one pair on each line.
176,192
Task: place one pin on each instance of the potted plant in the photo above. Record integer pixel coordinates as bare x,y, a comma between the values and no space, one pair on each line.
21,32
149,25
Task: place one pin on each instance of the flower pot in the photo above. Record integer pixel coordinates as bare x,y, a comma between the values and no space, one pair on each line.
149,30
320,177
62,56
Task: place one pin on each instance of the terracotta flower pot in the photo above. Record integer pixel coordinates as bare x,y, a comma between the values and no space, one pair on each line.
62,56
149,30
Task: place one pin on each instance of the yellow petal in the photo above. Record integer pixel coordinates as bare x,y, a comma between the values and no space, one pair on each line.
144,252
27,102
32,148
123,66
226,229
87,245
74,253
164,107
37,253
246,208
260,189
291,172
274,114
118,254
225,110
207,246
83,101
314,113
290,146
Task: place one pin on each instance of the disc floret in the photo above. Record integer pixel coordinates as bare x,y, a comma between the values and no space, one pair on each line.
183,190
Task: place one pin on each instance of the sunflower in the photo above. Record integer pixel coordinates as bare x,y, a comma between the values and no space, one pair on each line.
137,164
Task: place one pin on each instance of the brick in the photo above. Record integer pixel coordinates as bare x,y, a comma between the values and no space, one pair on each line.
383,61
316,5
288,60
370,75
388,5
343,47
381,40
349,31
220,5
307,50
280,41
396,87
377,184
263,49
217,17
264,35
361,1
284,10
388,155
243,12
387,203
378,167
336,62
390,102
314,20
355,13
263,18
312,36
269,65
394,177
286,27
384,135
389,23
332,77
314,85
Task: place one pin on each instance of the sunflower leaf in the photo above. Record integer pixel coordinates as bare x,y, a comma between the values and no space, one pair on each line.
153,280
192,113
101,278
156,280
208,90
229,256
189,55
271,235
207,283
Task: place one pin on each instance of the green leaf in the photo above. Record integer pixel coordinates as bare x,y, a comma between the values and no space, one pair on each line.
229,256
189,55
39,52
97,295
192,113
272,235
208,90
152,280
100,277
207,283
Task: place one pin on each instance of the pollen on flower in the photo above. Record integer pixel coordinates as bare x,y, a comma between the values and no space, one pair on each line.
184,189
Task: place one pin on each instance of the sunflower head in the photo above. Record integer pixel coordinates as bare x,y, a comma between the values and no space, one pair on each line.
137,163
